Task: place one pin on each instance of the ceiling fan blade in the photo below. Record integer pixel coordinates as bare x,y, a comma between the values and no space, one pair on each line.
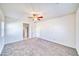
40,17
30,17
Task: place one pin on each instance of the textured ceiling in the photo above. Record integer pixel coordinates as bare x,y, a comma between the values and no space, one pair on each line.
48,10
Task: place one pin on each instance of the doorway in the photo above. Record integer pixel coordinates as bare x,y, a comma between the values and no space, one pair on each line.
25,30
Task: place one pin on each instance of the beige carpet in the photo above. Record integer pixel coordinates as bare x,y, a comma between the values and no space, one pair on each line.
37,47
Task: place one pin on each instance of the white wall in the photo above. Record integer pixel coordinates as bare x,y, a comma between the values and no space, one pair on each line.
14,30
32,30
2,39
1,44
1,31
60,30
77,31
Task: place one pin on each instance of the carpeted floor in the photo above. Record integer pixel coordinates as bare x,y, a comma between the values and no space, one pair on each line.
37,47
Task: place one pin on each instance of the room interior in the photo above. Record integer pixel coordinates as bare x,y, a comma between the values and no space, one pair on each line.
39,29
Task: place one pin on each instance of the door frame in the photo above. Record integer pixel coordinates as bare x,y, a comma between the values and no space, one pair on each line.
25,26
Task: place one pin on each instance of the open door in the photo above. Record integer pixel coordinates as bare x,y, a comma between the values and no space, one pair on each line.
25,30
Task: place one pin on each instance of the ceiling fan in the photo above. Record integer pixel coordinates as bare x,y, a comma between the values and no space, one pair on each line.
36,17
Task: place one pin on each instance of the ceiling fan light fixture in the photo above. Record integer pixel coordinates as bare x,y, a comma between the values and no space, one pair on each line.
36,16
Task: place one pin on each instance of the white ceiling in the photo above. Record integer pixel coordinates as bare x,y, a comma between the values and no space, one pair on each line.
48,10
